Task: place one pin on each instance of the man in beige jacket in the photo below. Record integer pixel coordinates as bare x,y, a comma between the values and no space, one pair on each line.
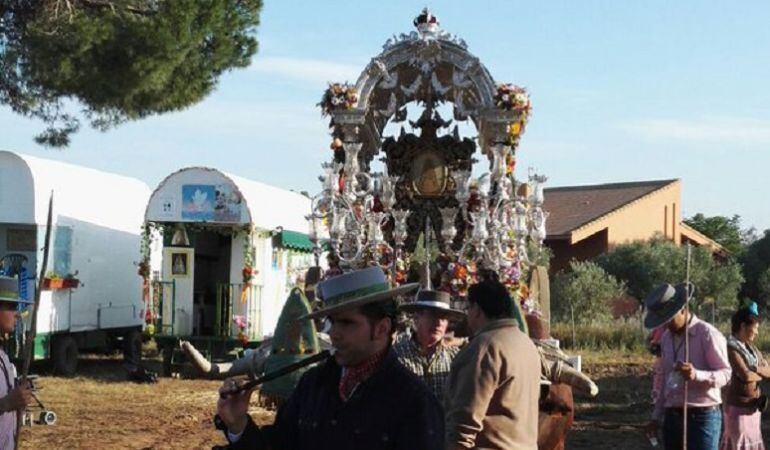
492,393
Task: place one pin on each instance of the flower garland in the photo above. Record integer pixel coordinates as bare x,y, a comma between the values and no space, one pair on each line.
515,130
338,96
248,272
510,164
143,270
144,250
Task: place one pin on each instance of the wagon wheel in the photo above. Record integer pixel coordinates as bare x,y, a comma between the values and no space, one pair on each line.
132,346
65,355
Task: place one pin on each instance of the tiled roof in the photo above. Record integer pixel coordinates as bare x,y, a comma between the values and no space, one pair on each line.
571,207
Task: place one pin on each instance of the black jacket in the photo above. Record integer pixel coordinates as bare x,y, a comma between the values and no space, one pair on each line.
391,410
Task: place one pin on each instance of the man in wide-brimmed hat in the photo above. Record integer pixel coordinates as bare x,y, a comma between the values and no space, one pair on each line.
705,372
425,352
12,398
363,397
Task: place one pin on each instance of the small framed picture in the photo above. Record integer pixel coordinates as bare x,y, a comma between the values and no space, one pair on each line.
179,264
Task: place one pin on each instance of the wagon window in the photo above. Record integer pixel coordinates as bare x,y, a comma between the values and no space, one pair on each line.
21,240
62,250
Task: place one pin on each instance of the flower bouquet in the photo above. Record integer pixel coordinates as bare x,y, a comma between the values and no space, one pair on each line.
144,269
241,323
338,96
248,273
512,98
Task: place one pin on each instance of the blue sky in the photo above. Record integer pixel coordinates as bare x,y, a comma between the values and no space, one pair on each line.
622,91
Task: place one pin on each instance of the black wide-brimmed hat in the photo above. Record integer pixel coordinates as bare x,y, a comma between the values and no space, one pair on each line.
433,300
664,302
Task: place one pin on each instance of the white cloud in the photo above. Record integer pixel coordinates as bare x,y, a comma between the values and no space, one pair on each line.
706,130
309,70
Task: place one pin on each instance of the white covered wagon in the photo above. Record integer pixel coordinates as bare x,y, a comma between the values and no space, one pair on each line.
230,251
91,298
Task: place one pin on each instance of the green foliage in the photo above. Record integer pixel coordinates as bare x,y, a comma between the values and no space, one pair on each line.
539,255
764,286
643,265
420,256
120,60
724,230
756,264
586,291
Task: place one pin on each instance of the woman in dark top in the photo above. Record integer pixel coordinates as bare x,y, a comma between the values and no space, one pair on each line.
743,400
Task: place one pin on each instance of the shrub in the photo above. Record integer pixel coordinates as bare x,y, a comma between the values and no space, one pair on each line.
584,293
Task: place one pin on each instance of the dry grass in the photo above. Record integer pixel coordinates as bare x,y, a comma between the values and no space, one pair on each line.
98,409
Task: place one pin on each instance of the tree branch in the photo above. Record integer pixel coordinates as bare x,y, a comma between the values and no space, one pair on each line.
109,4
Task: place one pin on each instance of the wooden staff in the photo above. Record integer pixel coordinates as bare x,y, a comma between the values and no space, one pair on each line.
29,344
686,346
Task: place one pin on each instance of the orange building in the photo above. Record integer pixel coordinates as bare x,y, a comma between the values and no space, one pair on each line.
586,221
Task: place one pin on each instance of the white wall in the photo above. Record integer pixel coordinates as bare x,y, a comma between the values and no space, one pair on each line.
183,321
110,293
17,190
166,203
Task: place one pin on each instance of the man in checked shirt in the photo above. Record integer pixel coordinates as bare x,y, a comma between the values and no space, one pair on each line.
426,353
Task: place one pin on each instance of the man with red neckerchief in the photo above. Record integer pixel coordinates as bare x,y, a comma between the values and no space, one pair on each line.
362,398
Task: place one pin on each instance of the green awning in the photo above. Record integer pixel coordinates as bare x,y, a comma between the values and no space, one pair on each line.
293,240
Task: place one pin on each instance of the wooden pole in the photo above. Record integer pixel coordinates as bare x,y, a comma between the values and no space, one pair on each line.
29,343
686,345
426,244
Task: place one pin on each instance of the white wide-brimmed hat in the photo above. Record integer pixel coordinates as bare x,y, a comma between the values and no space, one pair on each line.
356,288
433,300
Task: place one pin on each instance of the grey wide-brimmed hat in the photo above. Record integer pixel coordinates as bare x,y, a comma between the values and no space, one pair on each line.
356,288
433,300
9,290
664,302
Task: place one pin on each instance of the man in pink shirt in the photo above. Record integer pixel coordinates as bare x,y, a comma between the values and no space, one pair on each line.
704,374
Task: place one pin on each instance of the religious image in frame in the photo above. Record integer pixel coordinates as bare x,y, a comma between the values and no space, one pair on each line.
180,265
429,174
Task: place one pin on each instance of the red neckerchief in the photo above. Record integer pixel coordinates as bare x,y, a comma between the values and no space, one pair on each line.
353,376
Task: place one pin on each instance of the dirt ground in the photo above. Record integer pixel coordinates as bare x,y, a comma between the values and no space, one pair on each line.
98,409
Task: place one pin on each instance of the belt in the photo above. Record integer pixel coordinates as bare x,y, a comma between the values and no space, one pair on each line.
695,409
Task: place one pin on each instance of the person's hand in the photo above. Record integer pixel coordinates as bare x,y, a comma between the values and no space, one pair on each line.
18,398
452,341
687,370
234,407
651,429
